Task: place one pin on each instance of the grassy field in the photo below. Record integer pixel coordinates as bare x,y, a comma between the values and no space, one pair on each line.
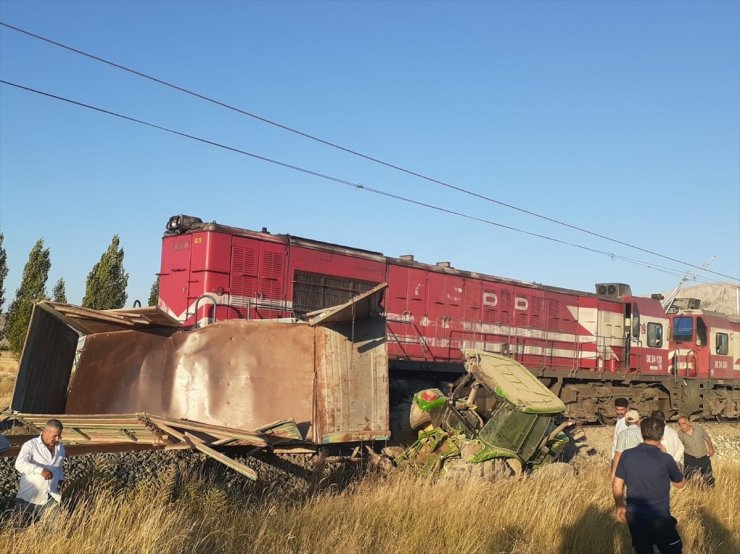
569,513
395,512
8,371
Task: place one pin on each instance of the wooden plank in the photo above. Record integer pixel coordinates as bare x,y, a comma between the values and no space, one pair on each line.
83,435
164,438
222,442
169,430
132,419
224,459
94,314
294,450
282,429
179,446
358,307
216,430
129,434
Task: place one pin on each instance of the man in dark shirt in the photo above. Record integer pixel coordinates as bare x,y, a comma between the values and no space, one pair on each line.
648,474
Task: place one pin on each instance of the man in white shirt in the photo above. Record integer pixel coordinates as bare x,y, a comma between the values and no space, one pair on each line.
621,405
42,476
629,438
670,440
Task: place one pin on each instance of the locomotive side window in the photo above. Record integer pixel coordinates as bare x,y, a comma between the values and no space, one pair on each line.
635,322
723,343
655,334
701,332
683,329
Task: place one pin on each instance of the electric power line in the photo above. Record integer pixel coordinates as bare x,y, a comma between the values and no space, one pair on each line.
350,150
338,180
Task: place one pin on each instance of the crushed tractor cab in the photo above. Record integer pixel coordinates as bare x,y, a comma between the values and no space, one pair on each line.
498,419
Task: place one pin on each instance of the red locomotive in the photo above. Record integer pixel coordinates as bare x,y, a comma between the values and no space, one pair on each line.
588,348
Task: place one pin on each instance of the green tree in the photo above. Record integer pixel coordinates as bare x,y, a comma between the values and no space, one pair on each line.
3,272
32,290
59,293
154,293
106,283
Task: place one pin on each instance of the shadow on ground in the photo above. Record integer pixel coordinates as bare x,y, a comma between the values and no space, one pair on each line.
718,538
596,531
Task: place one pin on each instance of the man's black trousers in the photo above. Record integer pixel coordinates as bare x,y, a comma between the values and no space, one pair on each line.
701,466
647,531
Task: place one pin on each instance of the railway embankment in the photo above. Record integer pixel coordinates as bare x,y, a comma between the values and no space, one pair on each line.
725,437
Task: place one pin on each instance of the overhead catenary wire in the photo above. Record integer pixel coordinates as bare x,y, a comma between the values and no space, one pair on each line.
355,185
353,151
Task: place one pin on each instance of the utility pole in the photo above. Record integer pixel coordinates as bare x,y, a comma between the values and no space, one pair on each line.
684,281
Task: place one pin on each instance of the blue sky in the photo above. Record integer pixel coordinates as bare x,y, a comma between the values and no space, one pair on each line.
619,117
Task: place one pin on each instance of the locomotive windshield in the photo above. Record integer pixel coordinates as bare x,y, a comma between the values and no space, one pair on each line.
683,329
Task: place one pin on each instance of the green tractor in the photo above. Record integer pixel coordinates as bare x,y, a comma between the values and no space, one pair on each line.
499,419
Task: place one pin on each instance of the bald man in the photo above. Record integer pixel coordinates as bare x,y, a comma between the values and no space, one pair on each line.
698,449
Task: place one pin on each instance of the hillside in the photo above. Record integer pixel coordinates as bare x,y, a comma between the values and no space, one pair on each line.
721,297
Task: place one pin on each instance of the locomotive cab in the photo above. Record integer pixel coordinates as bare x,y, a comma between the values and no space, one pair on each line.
703,345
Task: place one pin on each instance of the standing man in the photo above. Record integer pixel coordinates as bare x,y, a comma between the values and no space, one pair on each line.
629,438
42,477
670,441
621,405
648,474
698,449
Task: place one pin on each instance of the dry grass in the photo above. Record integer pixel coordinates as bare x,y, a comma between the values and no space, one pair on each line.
395,513
8,372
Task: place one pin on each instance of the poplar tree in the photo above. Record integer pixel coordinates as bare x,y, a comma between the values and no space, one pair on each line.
106,283
32,290
154,293
59,293
3,272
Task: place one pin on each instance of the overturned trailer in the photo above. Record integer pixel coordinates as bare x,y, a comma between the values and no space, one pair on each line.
133,379
136,379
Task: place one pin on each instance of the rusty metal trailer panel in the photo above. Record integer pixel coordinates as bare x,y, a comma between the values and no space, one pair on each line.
52,341
109,371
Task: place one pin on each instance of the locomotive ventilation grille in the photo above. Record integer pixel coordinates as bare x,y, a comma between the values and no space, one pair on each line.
315,291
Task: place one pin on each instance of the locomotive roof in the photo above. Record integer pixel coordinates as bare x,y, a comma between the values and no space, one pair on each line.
379,256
